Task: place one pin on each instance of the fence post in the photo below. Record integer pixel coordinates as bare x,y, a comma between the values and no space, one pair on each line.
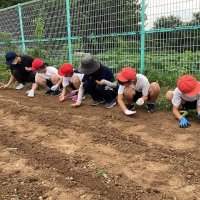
21,28
69,30
142,47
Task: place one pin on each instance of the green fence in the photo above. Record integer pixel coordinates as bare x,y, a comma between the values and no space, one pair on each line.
148,34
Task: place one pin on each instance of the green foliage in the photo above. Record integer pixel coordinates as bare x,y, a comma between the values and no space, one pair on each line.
174,64
7,3
196,19
191,38
162,102
7,45
167,22
92,14
102,17
37,50
39,27
163,67
102,173
4,71
177,40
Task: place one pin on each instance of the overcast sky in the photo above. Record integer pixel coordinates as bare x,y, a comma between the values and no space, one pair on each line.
181,8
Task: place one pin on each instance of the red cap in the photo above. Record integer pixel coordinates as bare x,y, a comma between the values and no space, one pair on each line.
37,63
188,85
65,69
127,74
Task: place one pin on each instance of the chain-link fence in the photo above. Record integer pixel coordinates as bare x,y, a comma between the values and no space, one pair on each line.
148,35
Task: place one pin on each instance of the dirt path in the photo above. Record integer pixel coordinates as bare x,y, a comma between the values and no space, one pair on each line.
51,151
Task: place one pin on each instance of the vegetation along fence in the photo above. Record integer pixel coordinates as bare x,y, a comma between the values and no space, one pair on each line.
150,35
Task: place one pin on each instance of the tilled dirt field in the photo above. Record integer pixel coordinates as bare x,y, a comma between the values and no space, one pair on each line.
51,151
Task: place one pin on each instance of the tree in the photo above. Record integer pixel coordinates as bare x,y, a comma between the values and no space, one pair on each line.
7,3
191,38
94,18
167,40
88,18
167,22
195,20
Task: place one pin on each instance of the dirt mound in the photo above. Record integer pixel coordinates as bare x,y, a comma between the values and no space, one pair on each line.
52,151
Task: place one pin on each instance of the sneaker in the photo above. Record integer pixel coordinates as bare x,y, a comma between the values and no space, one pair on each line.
31,93
48,92
130,106
56,93
111,104
95,103
151,107
20,86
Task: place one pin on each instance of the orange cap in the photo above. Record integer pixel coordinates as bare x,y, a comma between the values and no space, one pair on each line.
37,63
65,69
188,85
127,74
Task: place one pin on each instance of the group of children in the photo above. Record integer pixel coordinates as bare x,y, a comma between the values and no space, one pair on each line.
98,81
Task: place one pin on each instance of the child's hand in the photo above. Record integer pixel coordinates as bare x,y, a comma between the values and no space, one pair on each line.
140,102
129,112
183,123
28,69
77,104
101,82
61,97
4,86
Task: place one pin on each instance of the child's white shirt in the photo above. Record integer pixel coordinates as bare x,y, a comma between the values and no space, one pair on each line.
142,85
49,72
178,96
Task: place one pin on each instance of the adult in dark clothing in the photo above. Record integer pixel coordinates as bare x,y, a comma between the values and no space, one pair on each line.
98,81
20,69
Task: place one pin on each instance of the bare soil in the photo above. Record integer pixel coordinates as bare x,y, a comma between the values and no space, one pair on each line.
51,151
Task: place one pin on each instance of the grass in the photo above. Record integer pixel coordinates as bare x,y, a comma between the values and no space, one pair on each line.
101,173
4,73
162,102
